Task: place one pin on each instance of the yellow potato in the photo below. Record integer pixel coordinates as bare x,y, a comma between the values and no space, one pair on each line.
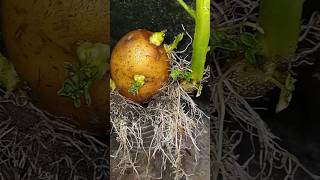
135,55
40,36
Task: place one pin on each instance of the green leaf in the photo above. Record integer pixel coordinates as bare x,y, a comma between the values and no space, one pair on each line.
187,75
228,44
220,39
216,38
249,55
248,39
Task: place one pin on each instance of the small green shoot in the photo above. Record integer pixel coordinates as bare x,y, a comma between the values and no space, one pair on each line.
78,83
199,89
286,94
186,77
138,82
113,85
91,66
287,88
177,39
157,38
177,74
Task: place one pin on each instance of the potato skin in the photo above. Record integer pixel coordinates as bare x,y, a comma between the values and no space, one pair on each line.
135,55
40,36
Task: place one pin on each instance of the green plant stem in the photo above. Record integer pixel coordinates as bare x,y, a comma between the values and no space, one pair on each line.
189,10
280,20
201,39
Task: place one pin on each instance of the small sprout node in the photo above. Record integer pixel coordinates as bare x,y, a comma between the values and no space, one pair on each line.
112,85
199,89
91,66
177,74
137,84
286,93
169,48
157,37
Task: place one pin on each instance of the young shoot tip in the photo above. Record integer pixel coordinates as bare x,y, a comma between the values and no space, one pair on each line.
137,84
177,39
157,38
113,85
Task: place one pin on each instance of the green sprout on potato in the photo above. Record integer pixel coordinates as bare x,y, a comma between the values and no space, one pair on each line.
177,74
157,38
138,82
112,85
91,66
177,39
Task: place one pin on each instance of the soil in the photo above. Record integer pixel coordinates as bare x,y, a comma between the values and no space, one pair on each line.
154,15
35,147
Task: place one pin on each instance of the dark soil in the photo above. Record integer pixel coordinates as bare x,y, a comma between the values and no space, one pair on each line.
34,147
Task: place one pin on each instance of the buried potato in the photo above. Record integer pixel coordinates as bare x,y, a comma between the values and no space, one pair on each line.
139,65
